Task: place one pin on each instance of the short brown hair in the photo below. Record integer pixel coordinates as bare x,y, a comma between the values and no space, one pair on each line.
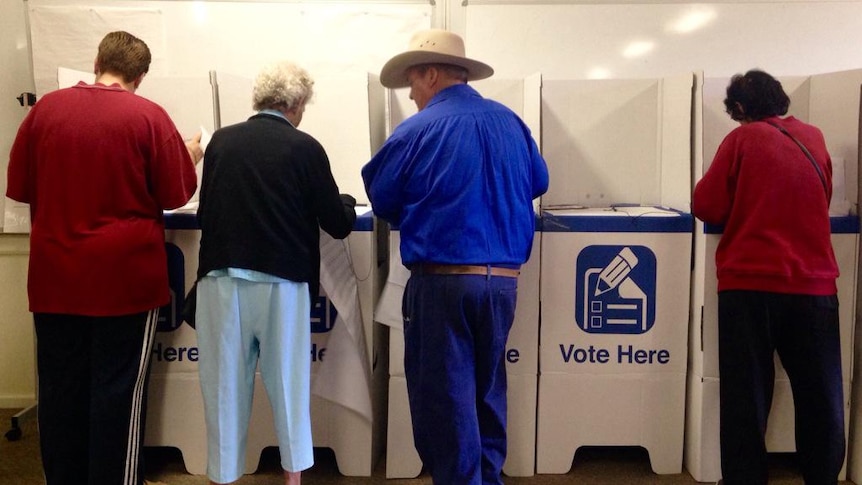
124,54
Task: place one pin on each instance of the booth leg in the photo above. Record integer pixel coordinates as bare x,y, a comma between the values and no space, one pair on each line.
14,433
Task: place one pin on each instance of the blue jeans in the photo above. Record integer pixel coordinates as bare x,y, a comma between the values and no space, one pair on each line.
455,330
804,330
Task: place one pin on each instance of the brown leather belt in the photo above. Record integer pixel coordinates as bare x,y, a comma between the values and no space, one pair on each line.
486,270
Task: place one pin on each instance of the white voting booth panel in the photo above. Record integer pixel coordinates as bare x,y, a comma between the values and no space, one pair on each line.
402,460
614,288
347,389
830,102
618,141
619,154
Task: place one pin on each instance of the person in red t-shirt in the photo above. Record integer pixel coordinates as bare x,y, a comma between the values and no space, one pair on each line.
98,166
769,185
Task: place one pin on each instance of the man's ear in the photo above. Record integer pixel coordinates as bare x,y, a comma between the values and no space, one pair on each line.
433,75
139,80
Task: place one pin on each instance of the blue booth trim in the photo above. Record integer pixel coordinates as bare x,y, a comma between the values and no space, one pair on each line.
365,222
188,220
181,220
682,222
844,224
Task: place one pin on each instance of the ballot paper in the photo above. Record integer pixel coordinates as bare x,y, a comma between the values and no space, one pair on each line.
16,217
194,202
343,379
388,309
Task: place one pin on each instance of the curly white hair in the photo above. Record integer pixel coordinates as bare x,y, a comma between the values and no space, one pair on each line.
282,85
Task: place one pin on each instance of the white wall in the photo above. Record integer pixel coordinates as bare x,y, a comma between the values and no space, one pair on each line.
17,381
15,78
598,39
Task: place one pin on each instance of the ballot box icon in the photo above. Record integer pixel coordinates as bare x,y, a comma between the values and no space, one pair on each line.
323,315
615,289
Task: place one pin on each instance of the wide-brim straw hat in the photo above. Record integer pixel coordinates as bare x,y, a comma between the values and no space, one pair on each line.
433,46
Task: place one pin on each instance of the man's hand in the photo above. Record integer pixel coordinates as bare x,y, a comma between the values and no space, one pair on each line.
194,148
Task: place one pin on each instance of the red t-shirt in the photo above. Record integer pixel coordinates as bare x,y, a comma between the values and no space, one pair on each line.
774,208
98,165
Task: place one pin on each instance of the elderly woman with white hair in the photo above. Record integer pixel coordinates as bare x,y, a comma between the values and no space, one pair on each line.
267,190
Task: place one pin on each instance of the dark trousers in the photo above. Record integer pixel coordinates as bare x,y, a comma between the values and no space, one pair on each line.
92,396
455,330
804,330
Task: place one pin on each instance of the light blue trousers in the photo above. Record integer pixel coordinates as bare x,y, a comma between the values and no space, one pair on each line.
242,324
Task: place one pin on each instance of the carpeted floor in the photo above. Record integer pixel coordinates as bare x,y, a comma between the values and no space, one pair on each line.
20,465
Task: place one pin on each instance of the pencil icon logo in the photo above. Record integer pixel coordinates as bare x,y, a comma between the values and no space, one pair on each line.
615,289
616,271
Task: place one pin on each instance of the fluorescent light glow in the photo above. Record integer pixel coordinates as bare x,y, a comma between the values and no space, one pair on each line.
637,49
598,73
692,21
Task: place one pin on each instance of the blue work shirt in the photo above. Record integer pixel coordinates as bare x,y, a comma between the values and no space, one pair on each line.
459,178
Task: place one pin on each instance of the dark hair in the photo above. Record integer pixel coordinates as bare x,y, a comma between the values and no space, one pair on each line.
754,96
123,54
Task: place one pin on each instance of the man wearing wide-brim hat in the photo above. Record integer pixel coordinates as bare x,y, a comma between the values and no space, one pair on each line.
458,178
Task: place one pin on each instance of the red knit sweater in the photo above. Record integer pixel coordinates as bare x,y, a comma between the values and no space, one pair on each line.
98,165
774,209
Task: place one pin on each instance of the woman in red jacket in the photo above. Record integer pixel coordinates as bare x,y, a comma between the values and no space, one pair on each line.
769,186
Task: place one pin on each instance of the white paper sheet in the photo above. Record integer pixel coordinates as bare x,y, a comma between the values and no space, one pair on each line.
16,217
343,380
388,309
192,204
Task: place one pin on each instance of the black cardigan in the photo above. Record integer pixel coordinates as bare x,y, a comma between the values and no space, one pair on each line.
267,190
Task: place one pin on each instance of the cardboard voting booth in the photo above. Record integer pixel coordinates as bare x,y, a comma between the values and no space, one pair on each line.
402,460
614,290
346,385
830,102
615,278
